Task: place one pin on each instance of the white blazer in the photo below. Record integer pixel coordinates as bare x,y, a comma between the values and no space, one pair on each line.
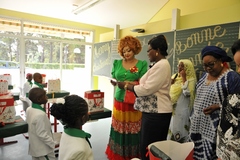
41,140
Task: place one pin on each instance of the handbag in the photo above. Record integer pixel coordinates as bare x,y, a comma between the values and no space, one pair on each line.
129,97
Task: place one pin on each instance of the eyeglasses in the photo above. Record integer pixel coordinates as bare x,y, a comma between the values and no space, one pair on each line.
149,50
210,64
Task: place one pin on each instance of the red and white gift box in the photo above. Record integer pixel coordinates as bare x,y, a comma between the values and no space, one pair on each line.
95,100
3,87
54,85
6,77
7,109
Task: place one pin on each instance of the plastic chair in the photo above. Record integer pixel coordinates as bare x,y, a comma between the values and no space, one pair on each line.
173,150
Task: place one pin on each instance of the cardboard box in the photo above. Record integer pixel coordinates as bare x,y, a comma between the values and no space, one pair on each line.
95,100
3,87
174,150
54,85
7,109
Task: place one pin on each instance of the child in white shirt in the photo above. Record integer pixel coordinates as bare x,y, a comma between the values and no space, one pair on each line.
73,113
41,142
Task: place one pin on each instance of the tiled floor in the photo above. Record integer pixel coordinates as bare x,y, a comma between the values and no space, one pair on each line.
98,129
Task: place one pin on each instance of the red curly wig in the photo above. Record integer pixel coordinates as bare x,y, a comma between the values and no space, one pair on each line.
130,41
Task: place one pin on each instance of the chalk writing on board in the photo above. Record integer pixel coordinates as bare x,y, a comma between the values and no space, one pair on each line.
199,37
102,58
189,43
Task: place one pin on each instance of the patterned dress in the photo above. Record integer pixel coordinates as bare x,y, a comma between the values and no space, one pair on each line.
204,127
125,128
228,133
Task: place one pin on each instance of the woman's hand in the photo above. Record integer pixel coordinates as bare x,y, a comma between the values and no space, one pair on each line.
183,75
210,109
114,83
172,81
121,85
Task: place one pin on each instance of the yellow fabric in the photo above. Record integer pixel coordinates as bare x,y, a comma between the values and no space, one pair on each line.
132,116
176,88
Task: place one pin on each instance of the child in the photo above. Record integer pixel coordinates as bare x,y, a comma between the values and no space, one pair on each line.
27,85
73,112
41,143
37,77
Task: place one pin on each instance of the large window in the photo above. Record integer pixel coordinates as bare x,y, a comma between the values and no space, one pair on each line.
58,52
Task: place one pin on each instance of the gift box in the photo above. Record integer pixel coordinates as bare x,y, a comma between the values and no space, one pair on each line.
3,87
54,85
95,100
7,109
6,77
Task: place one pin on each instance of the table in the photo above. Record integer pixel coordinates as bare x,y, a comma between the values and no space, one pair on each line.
19,127
100,115
60,94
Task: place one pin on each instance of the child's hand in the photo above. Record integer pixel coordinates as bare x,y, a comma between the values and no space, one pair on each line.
44,85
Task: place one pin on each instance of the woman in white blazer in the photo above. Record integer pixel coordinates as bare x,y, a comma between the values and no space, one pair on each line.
153,98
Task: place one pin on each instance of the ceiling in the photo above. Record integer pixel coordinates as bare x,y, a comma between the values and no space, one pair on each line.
107,13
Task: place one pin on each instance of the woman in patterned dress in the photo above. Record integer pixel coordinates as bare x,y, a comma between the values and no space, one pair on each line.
126,122
228,133
211,89
182,94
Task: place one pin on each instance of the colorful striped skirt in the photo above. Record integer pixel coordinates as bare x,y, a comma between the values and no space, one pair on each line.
125,132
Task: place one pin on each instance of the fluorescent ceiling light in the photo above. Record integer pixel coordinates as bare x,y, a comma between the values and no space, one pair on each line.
85,6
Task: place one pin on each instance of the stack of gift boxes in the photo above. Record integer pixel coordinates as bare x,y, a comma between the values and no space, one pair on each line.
7,108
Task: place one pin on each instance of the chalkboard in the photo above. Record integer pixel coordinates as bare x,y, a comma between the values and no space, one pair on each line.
144,42
102,58
182,44
190,42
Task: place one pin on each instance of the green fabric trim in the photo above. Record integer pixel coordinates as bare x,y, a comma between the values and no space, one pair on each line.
77,133
39,85
124,139
37,106
30,82
46,157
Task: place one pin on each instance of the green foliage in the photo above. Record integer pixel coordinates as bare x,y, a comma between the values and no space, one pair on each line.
53,65
42,53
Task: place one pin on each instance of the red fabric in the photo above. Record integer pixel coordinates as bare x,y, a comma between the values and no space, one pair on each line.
113,156
123,106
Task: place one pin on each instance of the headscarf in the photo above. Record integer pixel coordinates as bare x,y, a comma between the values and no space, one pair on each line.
216,52
176,88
